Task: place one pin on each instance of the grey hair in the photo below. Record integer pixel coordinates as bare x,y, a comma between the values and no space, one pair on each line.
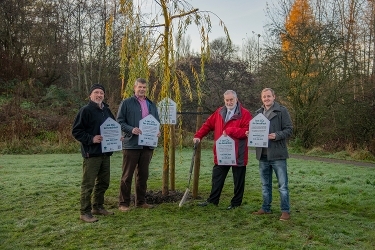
140,80
229,91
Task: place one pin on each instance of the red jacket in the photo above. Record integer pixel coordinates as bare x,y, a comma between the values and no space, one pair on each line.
235,128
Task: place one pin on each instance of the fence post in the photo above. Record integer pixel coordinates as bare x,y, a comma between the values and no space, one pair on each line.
172,163
165,189
197,160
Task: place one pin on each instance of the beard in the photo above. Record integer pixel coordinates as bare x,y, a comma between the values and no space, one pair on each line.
99,102
230,107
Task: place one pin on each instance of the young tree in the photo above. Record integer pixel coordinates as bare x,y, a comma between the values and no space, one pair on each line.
148,51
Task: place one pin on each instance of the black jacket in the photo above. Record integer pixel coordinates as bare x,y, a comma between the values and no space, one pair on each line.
87,124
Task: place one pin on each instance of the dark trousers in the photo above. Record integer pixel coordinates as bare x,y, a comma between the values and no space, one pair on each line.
219,174
134,161
95,181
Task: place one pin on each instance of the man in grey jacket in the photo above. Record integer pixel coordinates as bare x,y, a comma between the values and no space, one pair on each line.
136,158
274,157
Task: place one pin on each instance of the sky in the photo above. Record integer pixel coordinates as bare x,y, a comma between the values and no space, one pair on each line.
243,18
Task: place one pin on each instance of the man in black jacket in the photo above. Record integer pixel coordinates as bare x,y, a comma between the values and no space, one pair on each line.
96,165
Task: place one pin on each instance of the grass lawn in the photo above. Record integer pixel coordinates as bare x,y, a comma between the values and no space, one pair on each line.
332,207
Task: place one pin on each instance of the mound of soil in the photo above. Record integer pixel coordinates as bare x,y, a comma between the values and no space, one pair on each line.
156,197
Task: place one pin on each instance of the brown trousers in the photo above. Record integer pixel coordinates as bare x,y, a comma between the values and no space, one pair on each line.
134,161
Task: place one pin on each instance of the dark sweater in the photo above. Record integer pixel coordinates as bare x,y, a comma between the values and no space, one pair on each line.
87,124
129,114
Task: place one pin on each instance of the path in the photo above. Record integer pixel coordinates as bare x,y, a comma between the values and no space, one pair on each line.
323,159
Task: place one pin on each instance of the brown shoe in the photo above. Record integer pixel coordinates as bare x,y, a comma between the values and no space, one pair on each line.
124,208
261,212
88,218
101,211
285,216
145,205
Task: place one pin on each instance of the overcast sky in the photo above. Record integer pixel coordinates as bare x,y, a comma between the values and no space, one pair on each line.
241,17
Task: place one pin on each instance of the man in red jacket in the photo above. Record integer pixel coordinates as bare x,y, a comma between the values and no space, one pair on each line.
231,120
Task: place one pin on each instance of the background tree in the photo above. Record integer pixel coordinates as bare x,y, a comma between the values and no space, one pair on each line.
249,52
305,51
46,56
315,67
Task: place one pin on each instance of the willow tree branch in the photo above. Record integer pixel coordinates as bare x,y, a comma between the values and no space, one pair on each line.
172,17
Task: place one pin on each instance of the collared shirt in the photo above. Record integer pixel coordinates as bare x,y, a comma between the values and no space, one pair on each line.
230,112
229,115
144,106
267,112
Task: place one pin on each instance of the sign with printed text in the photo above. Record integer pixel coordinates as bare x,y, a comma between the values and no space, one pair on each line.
110,130
167,110
150,128
259,128
225,151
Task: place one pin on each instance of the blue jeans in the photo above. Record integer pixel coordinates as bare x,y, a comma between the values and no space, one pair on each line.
265,170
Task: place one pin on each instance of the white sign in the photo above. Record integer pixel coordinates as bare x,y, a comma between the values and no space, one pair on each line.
259,128
225,151
110,130
150,128
167,110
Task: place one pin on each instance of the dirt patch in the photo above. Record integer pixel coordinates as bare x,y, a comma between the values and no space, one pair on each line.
156,197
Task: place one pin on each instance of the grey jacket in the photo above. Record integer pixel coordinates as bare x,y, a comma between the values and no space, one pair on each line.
129,114
281,125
